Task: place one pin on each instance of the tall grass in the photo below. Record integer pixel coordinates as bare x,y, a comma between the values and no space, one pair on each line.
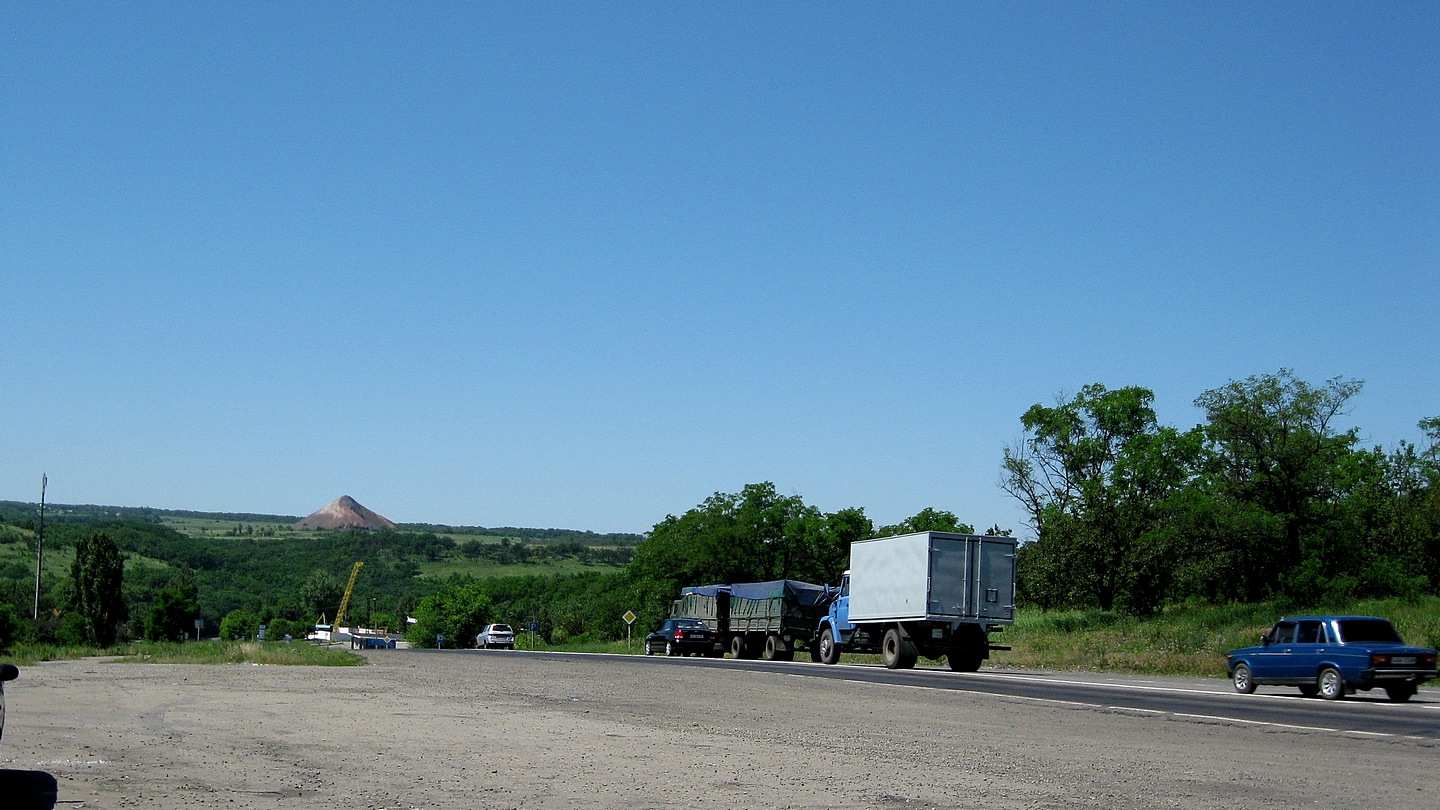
1189,640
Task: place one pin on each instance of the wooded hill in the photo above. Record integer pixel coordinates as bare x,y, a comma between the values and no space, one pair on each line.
257,563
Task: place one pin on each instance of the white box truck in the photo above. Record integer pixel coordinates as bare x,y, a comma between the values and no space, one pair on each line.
935,594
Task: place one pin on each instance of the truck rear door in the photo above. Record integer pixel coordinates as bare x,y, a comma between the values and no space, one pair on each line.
995,594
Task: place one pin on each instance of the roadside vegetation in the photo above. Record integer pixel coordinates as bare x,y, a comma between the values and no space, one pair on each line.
1154,548
1187,640
202,652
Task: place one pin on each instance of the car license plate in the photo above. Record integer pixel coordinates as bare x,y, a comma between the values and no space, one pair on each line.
1403,659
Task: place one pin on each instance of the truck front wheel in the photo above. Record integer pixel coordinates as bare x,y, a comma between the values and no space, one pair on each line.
897,651
829,652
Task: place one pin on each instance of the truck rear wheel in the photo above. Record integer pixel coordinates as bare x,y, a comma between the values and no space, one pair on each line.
829,651
737,646
964,660
897,651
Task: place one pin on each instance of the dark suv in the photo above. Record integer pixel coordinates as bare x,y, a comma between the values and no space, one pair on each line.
1332,656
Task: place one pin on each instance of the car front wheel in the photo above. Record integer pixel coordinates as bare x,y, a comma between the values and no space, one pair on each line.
1241,678
1332,686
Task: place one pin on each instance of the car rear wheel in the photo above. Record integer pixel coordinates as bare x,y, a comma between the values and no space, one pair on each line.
670,648
1332,686
1400,692
1244,683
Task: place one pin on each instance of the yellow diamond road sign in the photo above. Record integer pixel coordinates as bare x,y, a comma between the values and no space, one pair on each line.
629,617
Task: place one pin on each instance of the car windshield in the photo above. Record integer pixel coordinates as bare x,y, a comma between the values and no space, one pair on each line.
1367,630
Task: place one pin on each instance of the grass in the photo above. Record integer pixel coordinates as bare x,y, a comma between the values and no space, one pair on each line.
1186,640
199,652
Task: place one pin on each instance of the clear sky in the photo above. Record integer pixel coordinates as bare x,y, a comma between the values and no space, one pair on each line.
582,265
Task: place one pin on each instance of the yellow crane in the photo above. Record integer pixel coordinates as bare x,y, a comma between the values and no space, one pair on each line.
345,600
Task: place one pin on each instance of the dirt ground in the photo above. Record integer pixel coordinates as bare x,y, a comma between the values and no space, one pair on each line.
495,730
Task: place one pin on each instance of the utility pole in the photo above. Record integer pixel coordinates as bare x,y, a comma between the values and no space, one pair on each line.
40,546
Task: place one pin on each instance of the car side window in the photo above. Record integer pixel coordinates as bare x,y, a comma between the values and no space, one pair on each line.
1284,633
1308,633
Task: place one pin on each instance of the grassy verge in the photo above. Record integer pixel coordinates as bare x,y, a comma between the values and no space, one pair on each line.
1187,640
200,652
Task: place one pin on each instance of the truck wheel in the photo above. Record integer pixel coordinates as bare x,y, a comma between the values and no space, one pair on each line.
897,651
964,660
1243,682
1400,692
1332,686
814,653
829,652
737,646
775,650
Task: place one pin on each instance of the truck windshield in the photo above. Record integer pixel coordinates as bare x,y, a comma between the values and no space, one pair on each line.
1367,630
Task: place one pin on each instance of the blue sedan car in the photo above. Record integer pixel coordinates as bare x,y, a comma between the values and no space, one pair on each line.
1332,656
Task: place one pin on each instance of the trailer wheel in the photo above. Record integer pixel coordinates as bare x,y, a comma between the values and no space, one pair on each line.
897,651
775,650
737,646
829,652
772,648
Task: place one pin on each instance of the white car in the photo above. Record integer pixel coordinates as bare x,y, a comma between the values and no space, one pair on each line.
496,635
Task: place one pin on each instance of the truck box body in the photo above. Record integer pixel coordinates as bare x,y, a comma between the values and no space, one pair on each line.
933,576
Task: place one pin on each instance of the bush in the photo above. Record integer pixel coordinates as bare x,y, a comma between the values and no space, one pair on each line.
239,625
12,628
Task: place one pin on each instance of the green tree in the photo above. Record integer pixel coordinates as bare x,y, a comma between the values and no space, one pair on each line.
1095,474
739,537
173,613
11,626
239,625
1272,443
321,592
927,520
97,572
456,613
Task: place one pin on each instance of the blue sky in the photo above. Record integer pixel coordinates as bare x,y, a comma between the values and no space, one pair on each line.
582,265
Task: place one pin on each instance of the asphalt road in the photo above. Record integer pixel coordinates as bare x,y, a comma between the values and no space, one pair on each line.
1368,714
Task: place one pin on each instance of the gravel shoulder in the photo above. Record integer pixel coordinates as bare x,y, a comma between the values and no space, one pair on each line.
496,730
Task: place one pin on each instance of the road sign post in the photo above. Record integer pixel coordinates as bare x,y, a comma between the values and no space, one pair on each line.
629,618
